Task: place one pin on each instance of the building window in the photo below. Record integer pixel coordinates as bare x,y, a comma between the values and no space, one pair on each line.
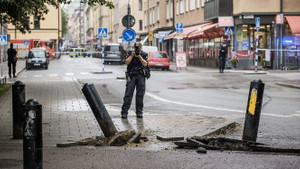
171,6
150,13
198,3
157,12
140,5
36,23
141,25
153,15
177,8
186,5
181,6
192,5
145,18
203,3
168,10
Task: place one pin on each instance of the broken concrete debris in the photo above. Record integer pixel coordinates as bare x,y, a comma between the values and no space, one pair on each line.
170,138
222,143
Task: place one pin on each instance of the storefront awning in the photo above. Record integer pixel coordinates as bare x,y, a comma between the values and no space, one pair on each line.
186,31
208,30
294,22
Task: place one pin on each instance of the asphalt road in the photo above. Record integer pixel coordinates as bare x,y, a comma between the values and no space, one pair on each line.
201,91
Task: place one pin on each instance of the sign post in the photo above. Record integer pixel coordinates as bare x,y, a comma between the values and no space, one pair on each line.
3,41
257,23
102,33
179,30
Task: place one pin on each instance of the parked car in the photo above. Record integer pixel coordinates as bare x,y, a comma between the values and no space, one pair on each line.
114,53
78,52
37,57
159,59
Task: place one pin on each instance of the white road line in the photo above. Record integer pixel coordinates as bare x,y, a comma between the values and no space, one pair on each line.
216,108
69,74
84,73
53,75
37,76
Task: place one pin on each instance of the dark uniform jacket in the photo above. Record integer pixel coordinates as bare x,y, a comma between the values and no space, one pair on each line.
12,53
135,66
222,53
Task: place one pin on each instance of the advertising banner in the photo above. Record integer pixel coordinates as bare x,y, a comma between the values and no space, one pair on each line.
181,60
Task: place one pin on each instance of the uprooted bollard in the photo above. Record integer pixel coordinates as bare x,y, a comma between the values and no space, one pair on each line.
99,110
253,110
18,98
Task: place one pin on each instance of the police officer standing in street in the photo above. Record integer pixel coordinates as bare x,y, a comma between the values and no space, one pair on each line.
222,58
12,60
135,79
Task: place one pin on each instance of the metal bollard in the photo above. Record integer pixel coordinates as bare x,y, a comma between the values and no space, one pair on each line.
254,105
32,136
99,110
18,100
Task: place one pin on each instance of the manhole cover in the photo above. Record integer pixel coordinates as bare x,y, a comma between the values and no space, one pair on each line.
7,163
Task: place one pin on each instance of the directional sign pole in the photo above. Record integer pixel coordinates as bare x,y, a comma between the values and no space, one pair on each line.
128,20
257,22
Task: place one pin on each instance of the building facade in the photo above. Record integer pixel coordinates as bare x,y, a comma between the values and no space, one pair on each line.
48,29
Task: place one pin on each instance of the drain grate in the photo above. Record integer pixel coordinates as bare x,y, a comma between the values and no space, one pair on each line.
7,163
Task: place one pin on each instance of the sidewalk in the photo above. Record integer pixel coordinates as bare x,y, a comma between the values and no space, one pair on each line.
67,117
19,67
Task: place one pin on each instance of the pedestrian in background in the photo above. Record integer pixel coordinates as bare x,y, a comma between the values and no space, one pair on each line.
12,60
135,78
222,57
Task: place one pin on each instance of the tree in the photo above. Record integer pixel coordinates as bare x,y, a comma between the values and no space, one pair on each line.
18,12
64,19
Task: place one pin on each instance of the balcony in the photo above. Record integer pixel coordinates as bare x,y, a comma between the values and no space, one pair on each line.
215,8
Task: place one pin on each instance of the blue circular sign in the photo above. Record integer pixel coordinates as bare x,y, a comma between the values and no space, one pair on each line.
128,35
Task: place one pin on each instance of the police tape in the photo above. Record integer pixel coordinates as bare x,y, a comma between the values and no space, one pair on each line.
76,52
278,50
235,54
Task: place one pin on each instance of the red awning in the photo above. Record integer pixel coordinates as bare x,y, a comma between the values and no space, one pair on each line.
294,22
186,31
207,31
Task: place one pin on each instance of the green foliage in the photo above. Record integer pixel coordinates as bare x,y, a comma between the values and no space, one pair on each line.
234,61
4,88
18,12
64,21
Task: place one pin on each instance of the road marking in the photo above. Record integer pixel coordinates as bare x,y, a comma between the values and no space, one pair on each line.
192,105
85,73
69,74
53,75
216,108
37,76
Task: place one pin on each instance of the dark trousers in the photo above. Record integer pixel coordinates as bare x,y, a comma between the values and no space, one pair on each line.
138,82
222,62
13,64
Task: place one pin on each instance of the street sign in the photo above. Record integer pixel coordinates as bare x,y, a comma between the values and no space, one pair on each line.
229,30
102,32
179,27
125,21
128,35
26,42
257,22
3,40
150,36
225,21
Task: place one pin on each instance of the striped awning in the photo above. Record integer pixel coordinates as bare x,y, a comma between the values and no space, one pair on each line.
294,22
186,31
208,30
